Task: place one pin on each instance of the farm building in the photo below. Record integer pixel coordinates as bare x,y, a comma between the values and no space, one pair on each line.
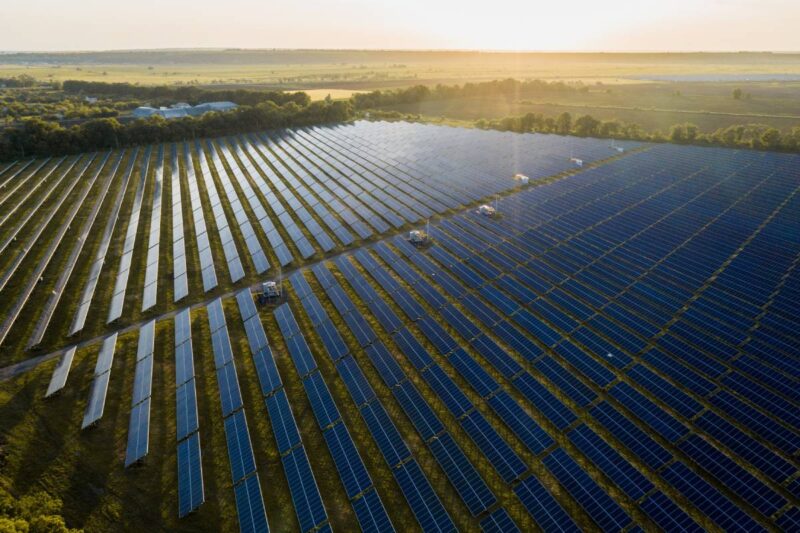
183,110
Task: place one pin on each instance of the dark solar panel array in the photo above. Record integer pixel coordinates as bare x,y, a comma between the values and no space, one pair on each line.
102,372
139,429
191,493
249,500
569,267
352,472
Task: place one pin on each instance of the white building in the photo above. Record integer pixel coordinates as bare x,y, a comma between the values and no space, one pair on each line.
183,110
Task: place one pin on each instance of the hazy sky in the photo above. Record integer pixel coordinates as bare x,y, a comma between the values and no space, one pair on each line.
420,24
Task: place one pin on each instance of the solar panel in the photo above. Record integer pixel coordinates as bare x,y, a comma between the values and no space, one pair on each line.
708,499
424,503
240,451
541,505
305,493
351,469
622,473
282,420
61,372
355,381
229,394
97,400
498,522
385,433
138,433
321,400
502,457
191,494
371,514
462,474
186,409
250,506
667,515
601,508
142,380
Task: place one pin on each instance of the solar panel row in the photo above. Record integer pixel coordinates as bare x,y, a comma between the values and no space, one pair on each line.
102,372
179,273
121,284
191,492
247,490
207,271
154,240
235,268
67,268
139,429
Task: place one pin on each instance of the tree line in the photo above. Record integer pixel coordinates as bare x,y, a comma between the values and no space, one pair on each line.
36,137
755,136
510,88
189,94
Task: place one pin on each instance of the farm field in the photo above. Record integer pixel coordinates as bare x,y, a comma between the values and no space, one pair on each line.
614,349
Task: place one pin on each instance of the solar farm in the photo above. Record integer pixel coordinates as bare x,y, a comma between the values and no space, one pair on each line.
607,344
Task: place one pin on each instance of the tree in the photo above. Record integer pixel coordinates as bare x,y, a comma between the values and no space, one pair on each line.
586,126
771,139
677,133
564,123
737,94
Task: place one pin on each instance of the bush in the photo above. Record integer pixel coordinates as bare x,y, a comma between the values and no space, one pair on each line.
41,138
34,513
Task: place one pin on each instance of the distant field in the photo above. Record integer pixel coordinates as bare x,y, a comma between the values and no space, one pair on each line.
654,106
376,69
622,86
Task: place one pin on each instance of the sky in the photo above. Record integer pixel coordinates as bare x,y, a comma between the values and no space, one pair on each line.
556,25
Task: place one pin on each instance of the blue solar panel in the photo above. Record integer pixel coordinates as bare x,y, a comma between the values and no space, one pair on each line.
733,476
446,389
496,356
424,503
418,411
332,340
520,422
631,435
385,433
498,522
321,400
565,381
765,460
412,349
267,372
351,468
190,476
657,419
558,413
186,409
509,335
301,354
441,340
462,474
605,512
473,373
620,471
240,451
385,364
355,381
371,514
283,425
305,493
717,507
667,515
504,460
229,394
544,509
250,506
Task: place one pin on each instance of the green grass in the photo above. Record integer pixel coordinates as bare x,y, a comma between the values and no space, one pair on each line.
653,106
